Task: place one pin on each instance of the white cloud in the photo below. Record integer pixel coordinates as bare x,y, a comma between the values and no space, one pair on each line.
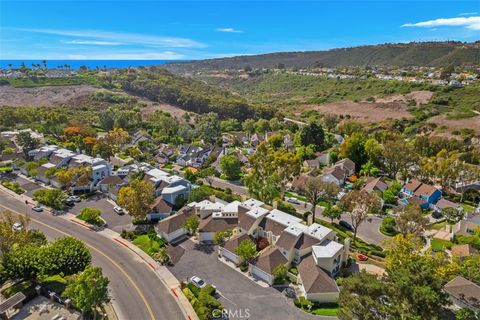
93,42
472,23
127,38
468,13
229,30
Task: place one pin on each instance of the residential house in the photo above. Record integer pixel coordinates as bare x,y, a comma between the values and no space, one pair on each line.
465,228
444,203
375,184
41,172
339,172
316,283
171,228
195,156
110,182
417,192
464,293
160,209
228,250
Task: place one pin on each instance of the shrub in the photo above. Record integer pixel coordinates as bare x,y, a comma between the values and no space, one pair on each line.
262,243
193,289
244,267
388,226
91,215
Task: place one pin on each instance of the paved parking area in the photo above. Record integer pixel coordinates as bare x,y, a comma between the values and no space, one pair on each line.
99,201
237,291
29,186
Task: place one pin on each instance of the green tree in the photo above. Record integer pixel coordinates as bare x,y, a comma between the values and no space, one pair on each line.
388,225
466,314
354,148
220,236
470,267
280,272
230,125
9,237
191,224
369,169
453,215
312,134
275,141
231,167
261,126
88,290
317,190
198,194
23,262
137,198
27,142
54,198
246,250
359,204
91,215
248,125
65,255
208,127
332,212
263,181
397,156
207,174
410,220
362,297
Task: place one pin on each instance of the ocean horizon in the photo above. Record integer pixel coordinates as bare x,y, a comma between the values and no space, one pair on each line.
91,64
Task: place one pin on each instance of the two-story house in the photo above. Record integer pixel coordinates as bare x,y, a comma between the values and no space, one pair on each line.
424,195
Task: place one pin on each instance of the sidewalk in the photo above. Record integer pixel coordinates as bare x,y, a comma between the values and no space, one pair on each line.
162,272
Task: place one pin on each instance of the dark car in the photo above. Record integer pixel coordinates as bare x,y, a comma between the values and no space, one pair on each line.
346,225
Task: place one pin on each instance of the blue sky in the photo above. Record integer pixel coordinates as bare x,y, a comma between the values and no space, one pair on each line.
157,30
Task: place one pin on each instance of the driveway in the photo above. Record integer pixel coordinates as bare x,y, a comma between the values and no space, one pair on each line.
238,293
114,221
29,186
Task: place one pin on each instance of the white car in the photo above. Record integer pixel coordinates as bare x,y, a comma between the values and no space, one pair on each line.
37,208
293,200
74,198
17,226
118,210
199,283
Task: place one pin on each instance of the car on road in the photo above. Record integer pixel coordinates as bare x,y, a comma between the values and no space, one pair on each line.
118,210
69,202
74,198
293,200
17,226
346,225
37,208
198,282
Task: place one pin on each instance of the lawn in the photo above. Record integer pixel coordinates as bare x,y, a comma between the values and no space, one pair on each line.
467,208
296,196
55,283
438,225
325,311
148,245
441,244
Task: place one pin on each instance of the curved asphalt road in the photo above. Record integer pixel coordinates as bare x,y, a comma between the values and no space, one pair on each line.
137,293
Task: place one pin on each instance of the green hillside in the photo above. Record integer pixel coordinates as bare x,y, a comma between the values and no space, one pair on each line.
409,54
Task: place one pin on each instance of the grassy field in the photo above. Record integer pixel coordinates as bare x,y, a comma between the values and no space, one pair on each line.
284,89
441,244
325,311
148,245
33,82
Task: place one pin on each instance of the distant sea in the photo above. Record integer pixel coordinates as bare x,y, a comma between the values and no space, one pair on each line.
91,64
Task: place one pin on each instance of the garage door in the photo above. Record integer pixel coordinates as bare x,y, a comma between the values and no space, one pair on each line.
206,236
230,256
261,275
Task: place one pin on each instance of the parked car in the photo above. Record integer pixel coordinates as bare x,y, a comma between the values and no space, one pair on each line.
69,202
37,208
346,225
293,200
361,257
118,210
198,282
74,198
17,226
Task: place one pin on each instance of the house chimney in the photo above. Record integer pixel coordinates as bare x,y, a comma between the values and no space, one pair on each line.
212,198
346,249
309,218
275,204
243,198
